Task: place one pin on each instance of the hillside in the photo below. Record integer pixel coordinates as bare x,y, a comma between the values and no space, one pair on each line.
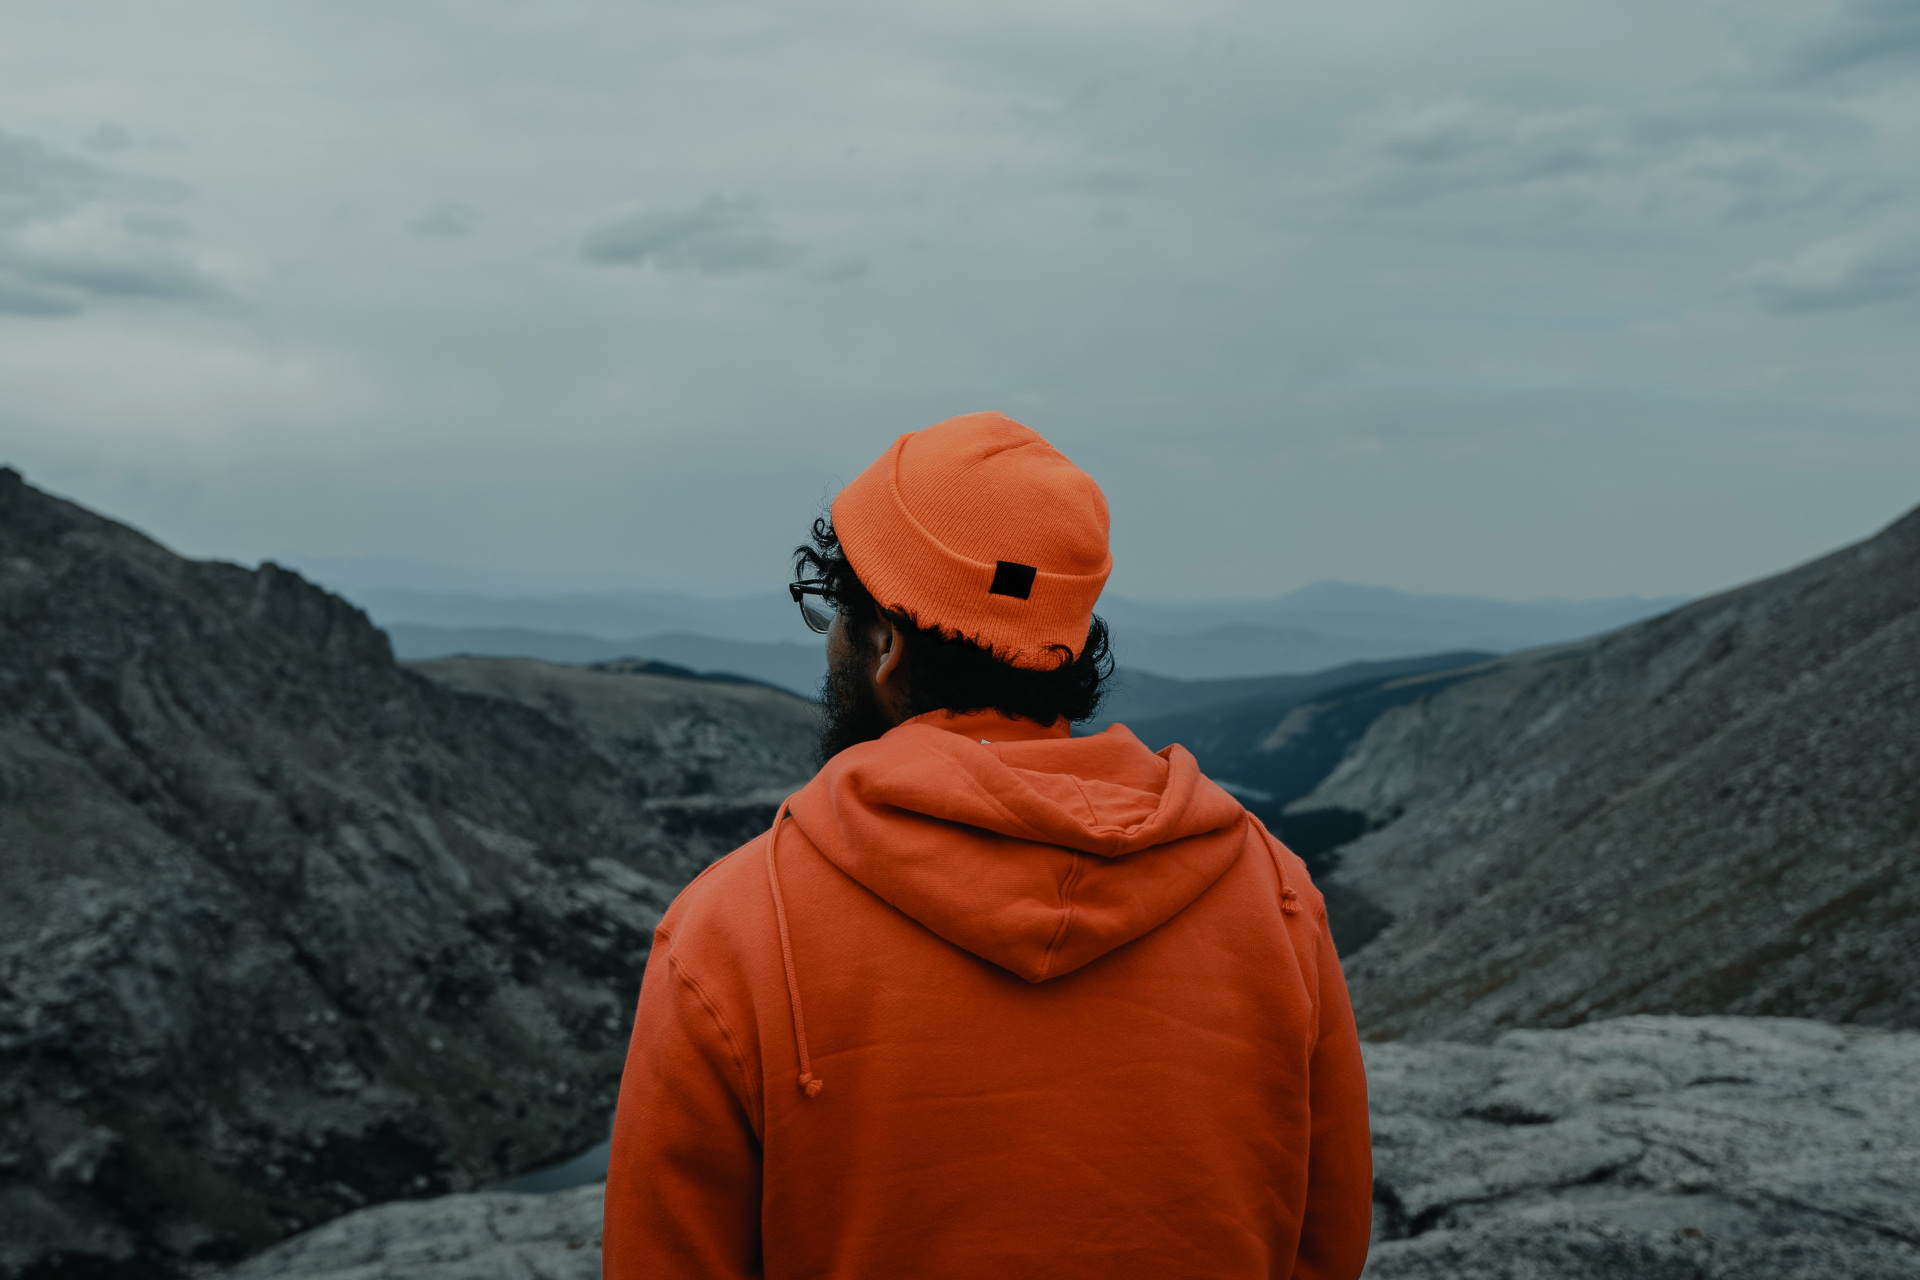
287,928
1274,742
1716,811
1281,736
716,757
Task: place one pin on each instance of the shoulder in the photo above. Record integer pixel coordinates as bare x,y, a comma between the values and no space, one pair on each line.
722,905
1292,872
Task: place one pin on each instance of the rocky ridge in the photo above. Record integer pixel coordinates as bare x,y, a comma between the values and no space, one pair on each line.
1656,1148
1716,811
286,927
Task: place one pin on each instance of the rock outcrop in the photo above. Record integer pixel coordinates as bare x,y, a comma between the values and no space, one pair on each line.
287,928
488,1236
1634,1149
709,761
1716,811
1649,1147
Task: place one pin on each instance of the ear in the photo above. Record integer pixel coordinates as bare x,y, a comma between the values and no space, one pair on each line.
889,669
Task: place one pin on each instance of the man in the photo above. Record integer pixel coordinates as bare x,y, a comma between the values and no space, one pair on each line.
988,1000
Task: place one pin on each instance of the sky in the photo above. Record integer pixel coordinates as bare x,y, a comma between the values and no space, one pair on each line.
1492,297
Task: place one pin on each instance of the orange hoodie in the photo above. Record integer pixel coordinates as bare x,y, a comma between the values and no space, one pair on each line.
989,1001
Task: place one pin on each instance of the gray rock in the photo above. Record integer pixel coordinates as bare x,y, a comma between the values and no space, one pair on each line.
1702,1148
1691,1148
288,928
1717,811
490,1236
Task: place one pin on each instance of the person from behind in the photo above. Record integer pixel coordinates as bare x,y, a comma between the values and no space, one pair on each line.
988,999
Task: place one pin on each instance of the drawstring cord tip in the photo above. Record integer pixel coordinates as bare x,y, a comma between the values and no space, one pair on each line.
811,1084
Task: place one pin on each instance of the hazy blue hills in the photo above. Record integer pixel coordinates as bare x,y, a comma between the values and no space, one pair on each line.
609,615
1384,615
1313,629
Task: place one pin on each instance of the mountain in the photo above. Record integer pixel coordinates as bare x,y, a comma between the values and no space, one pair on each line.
1715,811
287,927
1691,1148
1321,626
795,667
608,615
1243,650
1384,614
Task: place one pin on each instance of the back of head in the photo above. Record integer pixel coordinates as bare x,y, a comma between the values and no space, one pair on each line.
989,548
979,528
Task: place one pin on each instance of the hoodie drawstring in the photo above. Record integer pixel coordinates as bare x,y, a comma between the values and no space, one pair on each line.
1289,900
810,1084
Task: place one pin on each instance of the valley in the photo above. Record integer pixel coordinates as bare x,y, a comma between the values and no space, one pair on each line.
293,932
1716,811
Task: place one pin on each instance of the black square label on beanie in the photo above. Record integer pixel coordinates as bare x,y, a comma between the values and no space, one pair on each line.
1010,579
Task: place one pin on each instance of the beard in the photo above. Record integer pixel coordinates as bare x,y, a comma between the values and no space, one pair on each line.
850,710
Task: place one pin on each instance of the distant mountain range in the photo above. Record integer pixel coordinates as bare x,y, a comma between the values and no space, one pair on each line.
792,666
1312,629
1383,615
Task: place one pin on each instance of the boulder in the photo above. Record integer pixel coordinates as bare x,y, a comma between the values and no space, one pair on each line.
1649,1147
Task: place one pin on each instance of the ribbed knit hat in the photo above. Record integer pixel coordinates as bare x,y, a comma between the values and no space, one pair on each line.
979,527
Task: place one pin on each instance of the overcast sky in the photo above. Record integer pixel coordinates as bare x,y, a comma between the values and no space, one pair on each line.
1495,296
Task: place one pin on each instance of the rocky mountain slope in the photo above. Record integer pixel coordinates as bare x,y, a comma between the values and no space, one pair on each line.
286,927
715,758
1277,741
1716,811
1652,1148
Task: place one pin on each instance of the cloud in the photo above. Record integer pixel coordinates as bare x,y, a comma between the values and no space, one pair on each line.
1738,159
17,299
1838,273
719,237
158,226
1114,182
64,241
845,270
37,183
109,137
1458,144
448,220
1867,34
1741,119
108,275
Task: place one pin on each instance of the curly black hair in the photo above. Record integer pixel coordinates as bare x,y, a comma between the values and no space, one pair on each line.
953,673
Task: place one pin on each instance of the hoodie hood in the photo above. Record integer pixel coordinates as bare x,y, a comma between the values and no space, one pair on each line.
1032,849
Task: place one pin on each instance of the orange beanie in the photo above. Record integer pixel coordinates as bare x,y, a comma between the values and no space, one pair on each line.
980,528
